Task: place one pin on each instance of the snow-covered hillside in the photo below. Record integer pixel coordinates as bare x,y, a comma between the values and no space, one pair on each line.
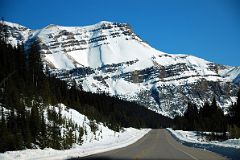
109,57
104,139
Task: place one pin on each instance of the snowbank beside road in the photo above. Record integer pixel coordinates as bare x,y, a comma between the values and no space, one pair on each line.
193,137
110,142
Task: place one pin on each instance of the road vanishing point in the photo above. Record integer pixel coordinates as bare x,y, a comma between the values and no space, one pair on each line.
158,144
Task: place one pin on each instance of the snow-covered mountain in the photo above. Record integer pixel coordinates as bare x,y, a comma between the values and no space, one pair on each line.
109,57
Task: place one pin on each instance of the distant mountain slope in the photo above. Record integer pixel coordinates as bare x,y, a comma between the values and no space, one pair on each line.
109,57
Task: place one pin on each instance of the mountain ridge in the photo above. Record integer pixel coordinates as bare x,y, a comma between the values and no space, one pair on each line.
109,57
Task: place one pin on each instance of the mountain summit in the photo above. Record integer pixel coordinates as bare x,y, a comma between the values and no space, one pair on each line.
110,58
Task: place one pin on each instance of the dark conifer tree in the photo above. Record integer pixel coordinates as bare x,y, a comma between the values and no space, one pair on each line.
237,110
234,118
34,122
55,136
43,132
80,136
191,116
35,65
27,132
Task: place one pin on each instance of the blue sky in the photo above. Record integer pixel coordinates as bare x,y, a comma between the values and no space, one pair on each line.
209,29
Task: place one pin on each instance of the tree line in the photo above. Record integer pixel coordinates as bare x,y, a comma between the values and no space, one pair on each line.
210,117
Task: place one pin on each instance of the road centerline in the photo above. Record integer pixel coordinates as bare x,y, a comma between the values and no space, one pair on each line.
180,149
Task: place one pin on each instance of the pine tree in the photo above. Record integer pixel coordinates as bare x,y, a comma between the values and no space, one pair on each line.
191,117
55,136
237,110
3,121
44,90
35,66
43,132
3,132
34,122
93,126
26,132
69,138
234,118
205,111
80,136
217,119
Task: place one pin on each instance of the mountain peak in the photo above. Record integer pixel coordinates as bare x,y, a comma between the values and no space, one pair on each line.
105,22
107,25
112,23
50,26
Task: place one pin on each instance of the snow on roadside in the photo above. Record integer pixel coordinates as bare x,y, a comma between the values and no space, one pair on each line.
129,136
193,137
103,140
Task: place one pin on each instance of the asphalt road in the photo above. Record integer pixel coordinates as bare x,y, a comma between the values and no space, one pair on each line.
158,144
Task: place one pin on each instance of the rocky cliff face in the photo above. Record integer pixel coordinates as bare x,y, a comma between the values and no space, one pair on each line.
109,57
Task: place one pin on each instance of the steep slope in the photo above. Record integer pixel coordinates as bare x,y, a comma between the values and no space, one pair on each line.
92,46
109,57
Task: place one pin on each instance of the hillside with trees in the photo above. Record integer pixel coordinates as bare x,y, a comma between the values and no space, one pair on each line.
210,117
